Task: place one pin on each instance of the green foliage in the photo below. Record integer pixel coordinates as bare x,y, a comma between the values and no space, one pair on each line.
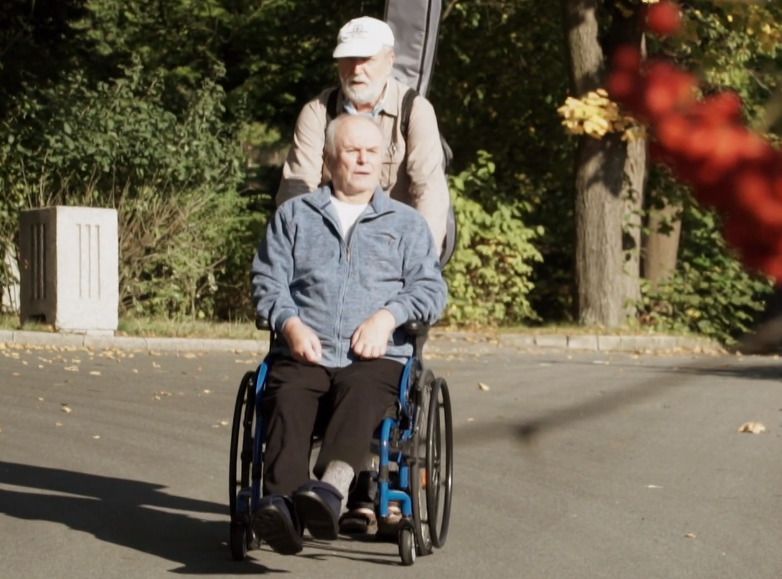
137,104
489,276
732,45
172,177
709,294
496,87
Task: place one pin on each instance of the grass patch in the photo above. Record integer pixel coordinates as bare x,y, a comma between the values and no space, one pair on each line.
11,322
156,328
167,328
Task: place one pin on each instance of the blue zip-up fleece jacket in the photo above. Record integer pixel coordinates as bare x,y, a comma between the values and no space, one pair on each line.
304,268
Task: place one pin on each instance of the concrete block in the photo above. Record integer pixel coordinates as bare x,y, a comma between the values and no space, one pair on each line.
517,340
635,344
608,343
584,342
48,339
69,265
546,341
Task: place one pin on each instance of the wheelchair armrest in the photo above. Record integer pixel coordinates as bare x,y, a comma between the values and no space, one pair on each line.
262,323
416,328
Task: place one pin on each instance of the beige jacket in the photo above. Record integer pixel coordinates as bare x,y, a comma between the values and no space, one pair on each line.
417,179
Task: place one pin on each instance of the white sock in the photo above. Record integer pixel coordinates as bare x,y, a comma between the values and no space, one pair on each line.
339,475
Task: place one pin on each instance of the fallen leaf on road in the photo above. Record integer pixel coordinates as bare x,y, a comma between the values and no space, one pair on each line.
690,535
15,374
190,356
752,427
96,436
65,408
484,387
155,365
470,419
71,368
40,399
95,373
58,423
207,391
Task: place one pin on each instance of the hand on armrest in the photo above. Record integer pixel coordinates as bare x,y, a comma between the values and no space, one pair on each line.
302,340
370,339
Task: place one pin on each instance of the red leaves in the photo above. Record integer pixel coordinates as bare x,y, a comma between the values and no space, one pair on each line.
706,145
663,18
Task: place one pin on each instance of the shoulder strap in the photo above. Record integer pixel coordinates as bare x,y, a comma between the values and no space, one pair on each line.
331,104
407,108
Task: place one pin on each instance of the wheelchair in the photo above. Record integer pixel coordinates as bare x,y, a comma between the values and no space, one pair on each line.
414,447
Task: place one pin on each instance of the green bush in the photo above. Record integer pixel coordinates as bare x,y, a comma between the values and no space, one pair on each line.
173,179
710,293
489,274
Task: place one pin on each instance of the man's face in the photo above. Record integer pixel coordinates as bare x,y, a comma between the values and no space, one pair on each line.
356,166
363,79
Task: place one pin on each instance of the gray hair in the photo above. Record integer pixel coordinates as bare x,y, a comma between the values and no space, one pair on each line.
330,146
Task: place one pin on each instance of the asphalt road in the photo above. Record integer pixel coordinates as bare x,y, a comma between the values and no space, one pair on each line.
114,464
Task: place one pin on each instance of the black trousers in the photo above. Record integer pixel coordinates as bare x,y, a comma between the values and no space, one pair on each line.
344,404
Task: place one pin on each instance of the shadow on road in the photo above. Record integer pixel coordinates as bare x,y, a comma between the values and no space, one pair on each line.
133,514
664,380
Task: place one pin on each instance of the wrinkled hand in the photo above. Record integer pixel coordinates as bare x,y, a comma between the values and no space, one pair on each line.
302,340
370,339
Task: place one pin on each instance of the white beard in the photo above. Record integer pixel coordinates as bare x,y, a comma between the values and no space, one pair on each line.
366,95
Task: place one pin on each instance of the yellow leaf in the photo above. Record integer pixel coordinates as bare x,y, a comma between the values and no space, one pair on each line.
752,427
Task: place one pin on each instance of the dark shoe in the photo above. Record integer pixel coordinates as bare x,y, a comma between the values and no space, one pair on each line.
359,521
318,505
274,521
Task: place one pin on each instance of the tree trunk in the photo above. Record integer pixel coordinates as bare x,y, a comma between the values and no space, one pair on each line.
599,216
662,247
609,188
635,175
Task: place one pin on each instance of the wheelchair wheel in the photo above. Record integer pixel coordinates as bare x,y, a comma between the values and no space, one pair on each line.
418,475
242,537
406,540
439,462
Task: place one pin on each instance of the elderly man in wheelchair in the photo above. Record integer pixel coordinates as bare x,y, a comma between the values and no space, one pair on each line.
340,272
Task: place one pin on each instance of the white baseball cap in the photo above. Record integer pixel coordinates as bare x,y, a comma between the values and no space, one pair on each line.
363,37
